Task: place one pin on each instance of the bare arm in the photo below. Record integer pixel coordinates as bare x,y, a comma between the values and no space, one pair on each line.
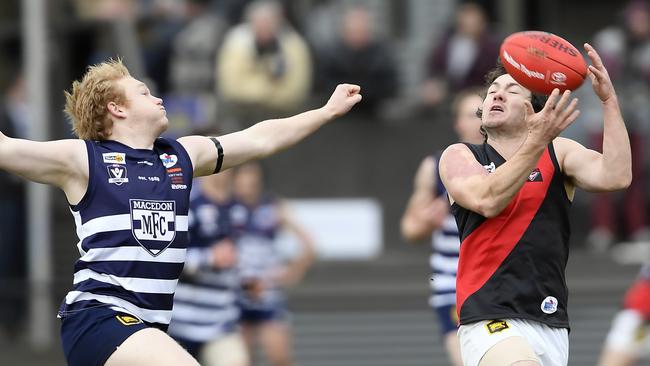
589,169
469,184
62,163
268,137
424,212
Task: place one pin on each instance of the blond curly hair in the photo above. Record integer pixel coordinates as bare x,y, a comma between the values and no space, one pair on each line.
87,104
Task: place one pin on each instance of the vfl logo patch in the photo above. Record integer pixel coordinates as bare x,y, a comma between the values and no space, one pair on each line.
153,224
128,319
168,160
496,326
117,174
549,305
535,176
114,158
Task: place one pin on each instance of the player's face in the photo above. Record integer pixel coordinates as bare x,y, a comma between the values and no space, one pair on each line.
142,105
467,124
505,102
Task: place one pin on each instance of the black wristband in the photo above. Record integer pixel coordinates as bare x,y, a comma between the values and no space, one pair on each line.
217,168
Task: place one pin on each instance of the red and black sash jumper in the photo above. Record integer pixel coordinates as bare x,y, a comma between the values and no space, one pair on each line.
512,265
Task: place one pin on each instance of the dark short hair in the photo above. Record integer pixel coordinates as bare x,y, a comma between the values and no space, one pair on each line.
537,100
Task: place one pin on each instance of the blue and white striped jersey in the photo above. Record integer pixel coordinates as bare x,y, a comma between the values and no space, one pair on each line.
132,228
205,302
444,259
258,255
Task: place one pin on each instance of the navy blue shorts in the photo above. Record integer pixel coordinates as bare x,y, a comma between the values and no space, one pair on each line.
258,316
90,336
448,318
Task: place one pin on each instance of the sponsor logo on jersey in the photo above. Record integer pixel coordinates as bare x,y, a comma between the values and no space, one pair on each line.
117,174
114,158
535,176
549,305
176,177
128,319
497,326
168,160
153,224
490,167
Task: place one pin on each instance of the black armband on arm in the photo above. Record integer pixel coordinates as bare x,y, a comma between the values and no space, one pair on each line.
217,168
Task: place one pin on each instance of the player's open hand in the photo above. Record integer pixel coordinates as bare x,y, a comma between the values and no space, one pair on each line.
599,76
345,96
558,113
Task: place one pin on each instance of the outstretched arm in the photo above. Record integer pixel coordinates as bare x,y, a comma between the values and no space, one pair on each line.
268,137
424,212
61,163
589,169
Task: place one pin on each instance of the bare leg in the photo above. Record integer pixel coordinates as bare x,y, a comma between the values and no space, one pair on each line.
275,337
510,351
452,345
150,347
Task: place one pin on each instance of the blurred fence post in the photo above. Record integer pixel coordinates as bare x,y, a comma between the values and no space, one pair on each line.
35,61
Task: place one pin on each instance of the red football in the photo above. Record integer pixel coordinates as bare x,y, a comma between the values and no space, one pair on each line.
542,61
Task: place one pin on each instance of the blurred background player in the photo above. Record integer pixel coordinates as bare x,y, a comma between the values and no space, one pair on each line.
628,340
205,313
256,220
427,215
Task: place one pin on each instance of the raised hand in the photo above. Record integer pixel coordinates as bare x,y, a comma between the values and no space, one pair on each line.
599,76
344,97
556,115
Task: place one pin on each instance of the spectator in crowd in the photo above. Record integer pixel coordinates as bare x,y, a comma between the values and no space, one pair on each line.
192,98
629,337
359,55
264,66
625,50
256,219
13,122
194,50
462,56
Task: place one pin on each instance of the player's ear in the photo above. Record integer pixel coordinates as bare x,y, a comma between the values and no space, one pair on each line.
529,108
116,110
